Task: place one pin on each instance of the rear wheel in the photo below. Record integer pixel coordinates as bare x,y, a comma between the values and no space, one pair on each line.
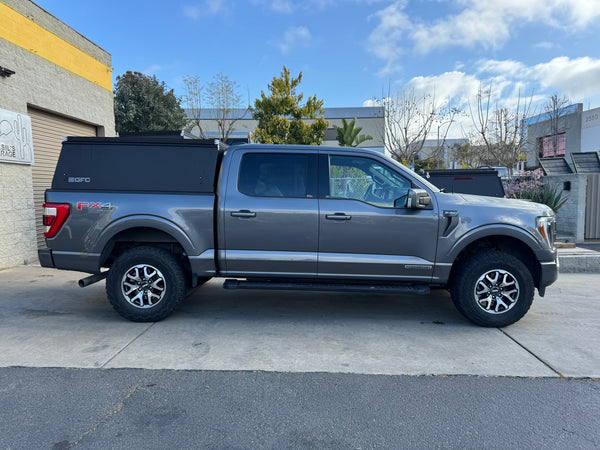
493,289
145,284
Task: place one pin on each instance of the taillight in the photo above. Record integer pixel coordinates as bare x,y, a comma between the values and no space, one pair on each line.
55,215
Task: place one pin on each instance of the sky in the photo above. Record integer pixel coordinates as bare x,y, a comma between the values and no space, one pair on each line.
353,51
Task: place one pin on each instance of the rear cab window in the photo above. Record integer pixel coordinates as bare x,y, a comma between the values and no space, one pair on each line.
276,175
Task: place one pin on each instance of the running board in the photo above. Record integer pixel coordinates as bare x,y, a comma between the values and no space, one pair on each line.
308,286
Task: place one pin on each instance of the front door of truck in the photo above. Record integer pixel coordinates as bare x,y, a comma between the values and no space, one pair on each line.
366,230
270,214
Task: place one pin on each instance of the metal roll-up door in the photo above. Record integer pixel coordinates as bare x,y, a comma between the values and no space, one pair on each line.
48,131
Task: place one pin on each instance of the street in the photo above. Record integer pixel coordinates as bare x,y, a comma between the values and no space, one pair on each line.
275,369
134,408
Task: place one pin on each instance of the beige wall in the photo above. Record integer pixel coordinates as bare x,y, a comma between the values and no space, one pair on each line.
370,125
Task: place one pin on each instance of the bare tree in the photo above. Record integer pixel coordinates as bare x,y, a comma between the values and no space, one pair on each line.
193,101
555,110
225,100
499,130
409,118
443,122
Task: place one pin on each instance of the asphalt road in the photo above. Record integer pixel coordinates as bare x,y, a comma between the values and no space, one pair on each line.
138,408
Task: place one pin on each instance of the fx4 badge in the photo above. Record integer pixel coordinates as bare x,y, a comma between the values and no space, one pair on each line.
93,205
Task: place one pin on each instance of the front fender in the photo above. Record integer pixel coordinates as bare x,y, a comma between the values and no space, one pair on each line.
486,231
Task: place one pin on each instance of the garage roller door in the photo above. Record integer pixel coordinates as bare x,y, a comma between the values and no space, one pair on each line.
48,131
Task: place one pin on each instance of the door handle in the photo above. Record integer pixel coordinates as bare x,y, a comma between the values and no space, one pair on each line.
338,216
243,213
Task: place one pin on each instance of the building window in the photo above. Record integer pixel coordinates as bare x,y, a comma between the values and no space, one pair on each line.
546,145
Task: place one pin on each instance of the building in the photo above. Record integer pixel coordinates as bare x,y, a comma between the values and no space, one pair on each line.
590,130
571,130
370,118
53,83
442,150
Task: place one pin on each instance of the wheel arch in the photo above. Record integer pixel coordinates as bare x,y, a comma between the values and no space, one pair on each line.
124,234
508,243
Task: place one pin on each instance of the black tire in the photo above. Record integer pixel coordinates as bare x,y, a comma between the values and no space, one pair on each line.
161,285
492,289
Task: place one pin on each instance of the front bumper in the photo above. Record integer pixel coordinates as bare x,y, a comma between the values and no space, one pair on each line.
548,275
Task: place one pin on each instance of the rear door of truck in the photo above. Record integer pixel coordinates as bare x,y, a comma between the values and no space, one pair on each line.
270,216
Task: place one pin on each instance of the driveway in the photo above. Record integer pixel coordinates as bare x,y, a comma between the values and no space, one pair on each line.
46,320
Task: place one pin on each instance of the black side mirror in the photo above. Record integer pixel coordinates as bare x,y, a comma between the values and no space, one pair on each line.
418,199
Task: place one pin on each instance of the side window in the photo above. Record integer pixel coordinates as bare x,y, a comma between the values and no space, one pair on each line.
273,175
366,180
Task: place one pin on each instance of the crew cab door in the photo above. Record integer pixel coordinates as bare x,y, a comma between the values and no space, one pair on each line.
366,230
270,214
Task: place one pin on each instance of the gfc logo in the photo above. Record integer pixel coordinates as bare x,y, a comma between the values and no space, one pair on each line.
79,179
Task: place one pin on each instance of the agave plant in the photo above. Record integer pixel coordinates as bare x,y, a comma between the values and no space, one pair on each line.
530,186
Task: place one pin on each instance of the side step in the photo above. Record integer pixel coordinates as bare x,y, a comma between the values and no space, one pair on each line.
311,286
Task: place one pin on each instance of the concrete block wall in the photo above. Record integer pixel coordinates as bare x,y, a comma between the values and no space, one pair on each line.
570,219
17,220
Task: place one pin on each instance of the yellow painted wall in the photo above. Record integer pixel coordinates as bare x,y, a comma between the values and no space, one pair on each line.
27,34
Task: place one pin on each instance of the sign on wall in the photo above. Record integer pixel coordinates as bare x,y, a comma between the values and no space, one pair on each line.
16,145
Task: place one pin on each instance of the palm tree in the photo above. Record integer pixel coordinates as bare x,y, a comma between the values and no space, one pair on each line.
348,134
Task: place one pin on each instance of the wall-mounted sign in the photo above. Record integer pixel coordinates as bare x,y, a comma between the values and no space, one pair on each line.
16,145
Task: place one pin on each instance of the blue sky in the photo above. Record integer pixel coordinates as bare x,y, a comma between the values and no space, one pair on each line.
351,50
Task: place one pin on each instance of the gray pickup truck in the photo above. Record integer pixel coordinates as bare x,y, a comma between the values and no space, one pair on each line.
158,218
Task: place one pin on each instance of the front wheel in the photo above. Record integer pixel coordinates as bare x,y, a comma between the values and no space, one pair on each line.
493,289
145,284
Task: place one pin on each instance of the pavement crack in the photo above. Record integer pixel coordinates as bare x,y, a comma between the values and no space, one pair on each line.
560,375
103,365
105,420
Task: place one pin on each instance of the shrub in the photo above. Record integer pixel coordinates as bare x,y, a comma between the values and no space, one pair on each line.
529,185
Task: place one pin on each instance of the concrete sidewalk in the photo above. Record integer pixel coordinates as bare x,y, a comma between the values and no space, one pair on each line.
47,321
579,260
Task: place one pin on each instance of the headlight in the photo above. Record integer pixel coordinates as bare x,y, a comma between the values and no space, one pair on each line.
546,229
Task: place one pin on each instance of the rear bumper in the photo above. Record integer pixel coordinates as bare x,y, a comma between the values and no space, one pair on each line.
45,256
80,262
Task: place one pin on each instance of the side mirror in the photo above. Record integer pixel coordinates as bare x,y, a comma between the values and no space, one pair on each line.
418,199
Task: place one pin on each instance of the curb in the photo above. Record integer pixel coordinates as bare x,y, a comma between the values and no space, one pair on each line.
589,263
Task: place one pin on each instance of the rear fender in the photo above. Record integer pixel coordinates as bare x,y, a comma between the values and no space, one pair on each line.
144,221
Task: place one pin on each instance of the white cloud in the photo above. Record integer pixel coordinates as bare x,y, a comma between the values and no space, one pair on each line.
372,102
577,78
205,9
384,41
152,69
455,87
510,82
290,6
545,45
490,23
483,23
292,38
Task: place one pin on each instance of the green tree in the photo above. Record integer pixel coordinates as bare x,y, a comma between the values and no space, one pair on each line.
280,115
348,134
143,103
